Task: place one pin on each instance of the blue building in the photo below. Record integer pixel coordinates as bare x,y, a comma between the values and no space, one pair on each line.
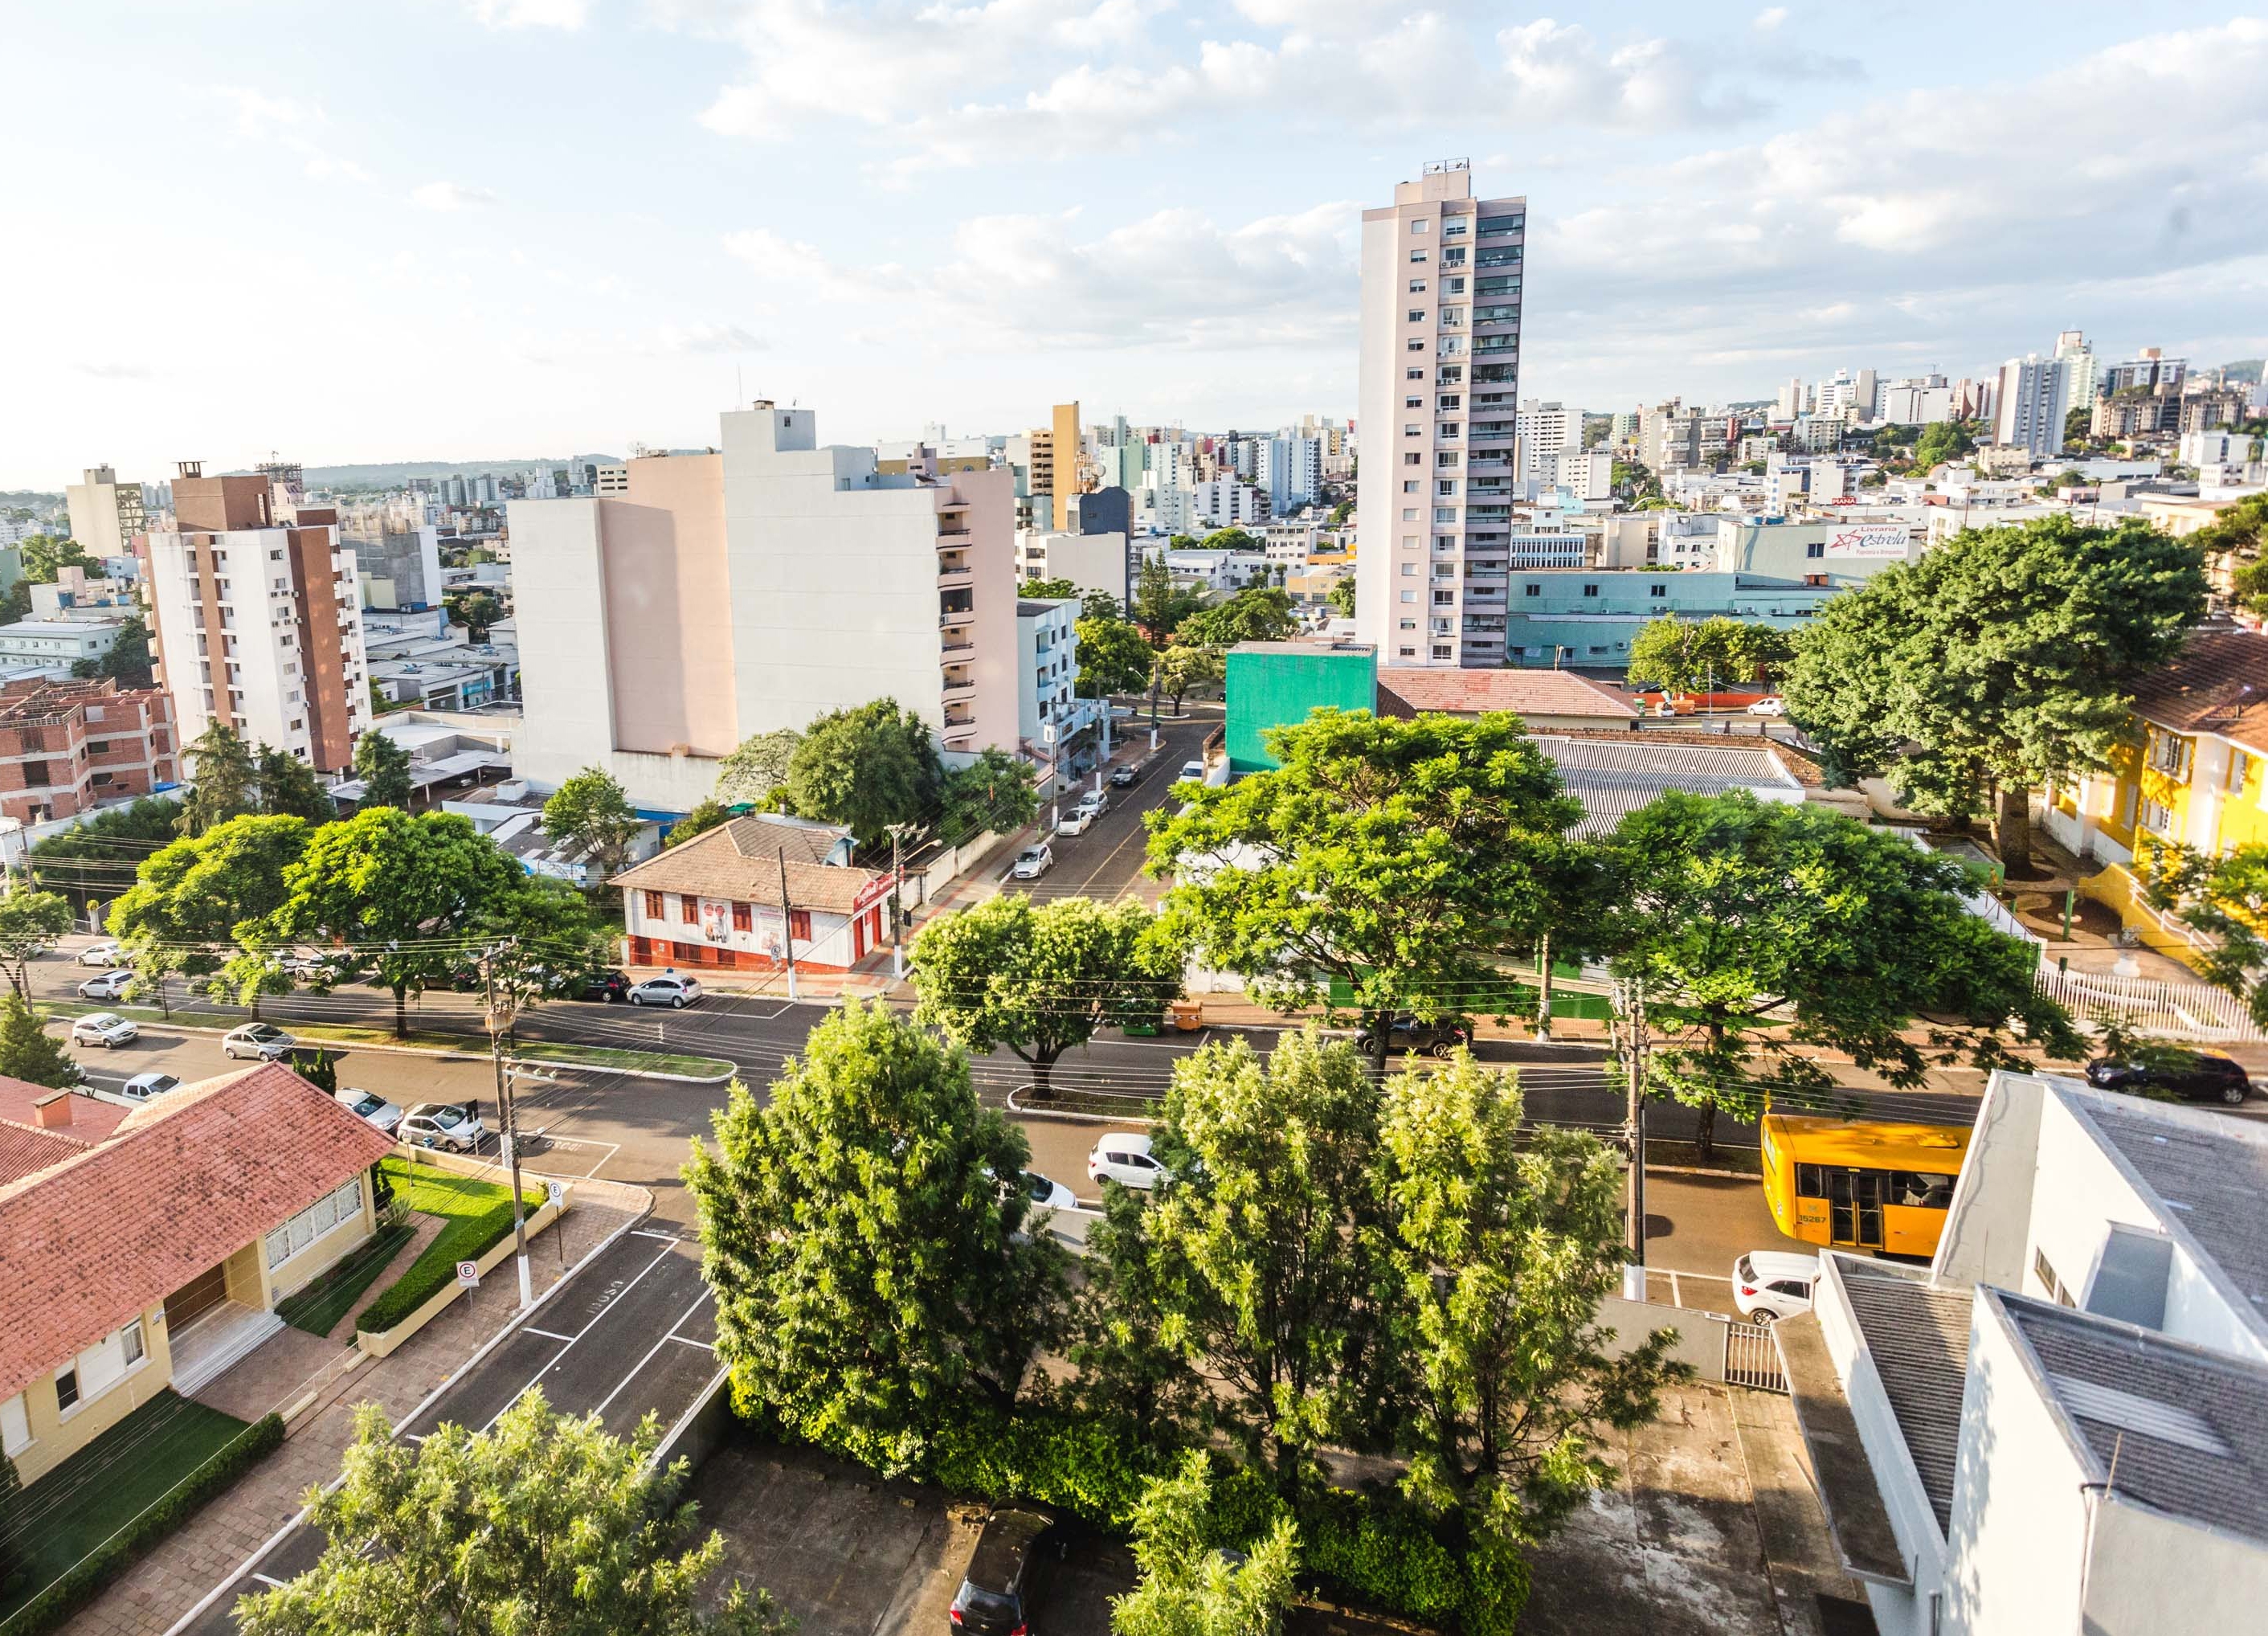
1586,618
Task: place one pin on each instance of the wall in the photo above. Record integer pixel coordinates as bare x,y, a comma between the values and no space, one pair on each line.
295,1272
1271,689
667,607
56,1438
565,666
2130,1593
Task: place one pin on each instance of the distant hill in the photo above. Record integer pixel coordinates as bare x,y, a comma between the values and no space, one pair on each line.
394,474
2245,369
27,500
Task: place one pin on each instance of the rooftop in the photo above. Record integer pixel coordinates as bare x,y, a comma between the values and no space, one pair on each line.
1615,774
1323,647
1918,1335
1526,692
741,861
2217,683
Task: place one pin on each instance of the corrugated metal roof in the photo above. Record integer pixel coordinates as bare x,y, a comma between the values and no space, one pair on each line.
2212,1171
1613,778
1919,1334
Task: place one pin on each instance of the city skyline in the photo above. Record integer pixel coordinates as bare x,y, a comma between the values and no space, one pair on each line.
506,225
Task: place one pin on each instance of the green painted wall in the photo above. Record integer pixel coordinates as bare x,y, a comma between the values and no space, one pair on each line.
1274,689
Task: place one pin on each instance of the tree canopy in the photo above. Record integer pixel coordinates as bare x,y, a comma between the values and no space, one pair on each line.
591,810
1180,669
196,902
127,661
28,1051
1113,658
290,788
1187,1587
31,922
706,815
995,791
1261,614
1943,441
2226,899
2002,661
1688,655
225,780
46,556
1342,596
869,767
383,766
756,767
1158,605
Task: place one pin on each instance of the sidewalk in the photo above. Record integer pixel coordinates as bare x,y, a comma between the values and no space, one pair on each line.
155,1592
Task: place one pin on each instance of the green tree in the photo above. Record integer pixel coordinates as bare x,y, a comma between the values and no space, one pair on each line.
128,660
1041,978
1234,540
1342,596
705,816
478,611
1502,1239
2007,658
2226,898
289,788
996,792
1942,442
197,903
591,810
540,1523
1340,513
1179,669
1187,1588
1113,658
383,766
1259,615
1047,590
1634,482
1160,606
405,891
226,779
863,1229
46,556
2238,529
869,767
1688,655
1760,931
2076,424
1398,858
97,858
1262,1243
31,922
756,767
17,604
28,1051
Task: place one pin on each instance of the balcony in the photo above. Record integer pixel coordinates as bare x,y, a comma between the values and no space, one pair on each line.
948,616
950,574
953,539
957,649
958,687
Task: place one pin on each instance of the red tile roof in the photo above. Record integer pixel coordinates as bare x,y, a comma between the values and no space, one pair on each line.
2217,683
739,861
24,1148
90,1118
180,1186
1526,692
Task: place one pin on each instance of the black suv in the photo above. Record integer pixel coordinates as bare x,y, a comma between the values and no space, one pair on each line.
2191,1076
608,985
1006,1573
1406,1034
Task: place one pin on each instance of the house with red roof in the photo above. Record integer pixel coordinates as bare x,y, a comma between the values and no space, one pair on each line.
147,1248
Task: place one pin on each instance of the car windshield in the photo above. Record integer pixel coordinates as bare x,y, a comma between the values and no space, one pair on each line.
367,1103
1038,1186
263,1031
103,1020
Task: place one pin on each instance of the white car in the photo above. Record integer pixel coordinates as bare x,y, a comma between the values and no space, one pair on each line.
104,1028
666,990
102,954
109,985
1078,821
1095,801
1772,1284
1123,1157
142,1087
1192,772
453,1125
1032,862
261,1040
368,1105
1049,1195
1769,707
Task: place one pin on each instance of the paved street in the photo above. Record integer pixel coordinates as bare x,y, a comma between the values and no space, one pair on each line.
1105,862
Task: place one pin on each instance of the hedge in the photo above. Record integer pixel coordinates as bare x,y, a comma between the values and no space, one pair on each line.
95,1570
466,1238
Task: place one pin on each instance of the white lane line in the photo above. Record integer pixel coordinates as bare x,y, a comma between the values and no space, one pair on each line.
1676,1295
550,1334
666,1238
666,1338
686,1340
551,1362
265,1579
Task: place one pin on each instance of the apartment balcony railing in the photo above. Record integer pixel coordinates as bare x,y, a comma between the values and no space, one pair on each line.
948,538
957,652
1496,226
957,575
1507,257
960,689
948,618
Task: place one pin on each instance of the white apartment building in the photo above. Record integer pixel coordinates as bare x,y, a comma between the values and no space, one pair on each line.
105,514
2078,371
1919,402
2062,1423
1059,728
1290,469
1789,403
1228,502
2029,405
1093,562
50,647
725,594
2221,447
258,619
1438,399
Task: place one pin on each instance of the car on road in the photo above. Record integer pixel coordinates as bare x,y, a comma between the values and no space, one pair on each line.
106,1028
1007,1573
1192,770
109,985
1121,777
142,1087
1769,1284
2185,1076
1046,1194
1406,1034
1032,862
1124,1157
1096,801
607,985
368,1105
102,954
1769,707
666,990
454,1125
1078,821
261,1040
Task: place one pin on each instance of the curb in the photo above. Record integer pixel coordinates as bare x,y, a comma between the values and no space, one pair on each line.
1069,1117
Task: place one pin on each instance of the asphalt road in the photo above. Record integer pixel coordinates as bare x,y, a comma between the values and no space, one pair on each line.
1105,862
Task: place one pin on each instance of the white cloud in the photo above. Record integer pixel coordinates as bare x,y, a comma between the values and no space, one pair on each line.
709,338
1771,18
569,14
449,196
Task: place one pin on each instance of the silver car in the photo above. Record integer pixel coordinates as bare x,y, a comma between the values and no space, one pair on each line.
104,1028
262,1041
370,1106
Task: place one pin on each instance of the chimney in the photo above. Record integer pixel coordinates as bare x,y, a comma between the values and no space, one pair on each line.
53,1111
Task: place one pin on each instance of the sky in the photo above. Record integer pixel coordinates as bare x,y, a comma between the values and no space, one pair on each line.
489,229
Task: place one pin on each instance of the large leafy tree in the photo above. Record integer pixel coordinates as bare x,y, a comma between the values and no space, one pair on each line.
28,1051
995,791
706,815
1943,441
1260,615
592,811
127,661
756,766
289,788
540,1523
46,555
30,924
862,1227
197,903
1182,667
1502,1239
1260,1246
1398,858
1190,1588
1113,658
226,779
1688,655
1158,605
97,858
383,766
1041,978
2004,659
477,610
1758,930
870,767
409,892
1342,597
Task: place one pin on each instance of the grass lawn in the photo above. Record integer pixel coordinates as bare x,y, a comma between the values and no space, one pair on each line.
105,1484
475,1215
318,1306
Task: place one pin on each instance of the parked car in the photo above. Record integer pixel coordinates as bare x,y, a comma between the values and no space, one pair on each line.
667,990
1122,777
1096,801
142,1087
102,954
1769,707
262,1040
454,1125
1007,1573
1032,862
104,1028
1123,1157
109,985
1406,1034
607,985
1048,1194
1769,1284
2190,1076
1193,770
1078,821
368,1105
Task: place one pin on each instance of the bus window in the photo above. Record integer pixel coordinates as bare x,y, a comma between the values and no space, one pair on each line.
1811,1181
1921,1190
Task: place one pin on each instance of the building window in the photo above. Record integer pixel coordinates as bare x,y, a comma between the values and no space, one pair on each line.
1818,547
798,925
1413,374
35,773
1442,650
1416,315
2237,767
1414,458
67,1388
1409,653
1411,487
130,1342
1416,256
1590,590
1408,571
1534,590
1416,344
1413,403
345,1203
688,909
653,906
2156,818
1416,286
1658,590
2169,755
744,918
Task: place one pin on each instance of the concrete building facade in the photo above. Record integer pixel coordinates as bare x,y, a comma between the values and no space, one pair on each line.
105,514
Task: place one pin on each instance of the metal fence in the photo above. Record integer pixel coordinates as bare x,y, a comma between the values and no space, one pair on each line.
2188,1011
1752,1358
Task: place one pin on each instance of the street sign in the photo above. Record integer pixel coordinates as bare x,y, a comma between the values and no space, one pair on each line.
469,1274
554,1193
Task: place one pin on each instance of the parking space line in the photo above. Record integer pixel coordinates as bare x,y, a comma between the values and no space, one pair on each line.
275,1584
669,1336
689,1341
551,1362
550,1334
666,1238
1676,1295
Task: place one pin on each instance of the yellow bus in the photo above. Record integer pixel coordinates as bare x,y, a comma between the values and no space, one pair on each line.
1861,1183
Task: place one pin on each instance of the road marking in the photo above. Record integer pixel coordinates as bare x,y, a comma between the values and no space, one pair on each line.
1676,1295
266,1579
550,1334
666,1238
657,1346
686,1340
614,1294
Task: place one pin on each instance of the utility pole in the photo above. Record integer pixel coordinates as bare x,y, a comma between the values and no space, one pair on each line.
787,925
503,1012
1636,1116
898,906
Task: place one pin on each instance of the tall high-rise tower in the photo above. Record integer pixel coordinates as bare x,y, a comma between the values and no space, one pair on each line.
1439,391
